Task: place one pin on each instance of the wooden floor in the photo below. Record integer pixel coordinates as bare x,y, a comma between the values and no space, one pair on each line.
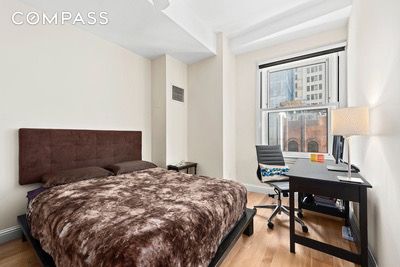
271,247
264,248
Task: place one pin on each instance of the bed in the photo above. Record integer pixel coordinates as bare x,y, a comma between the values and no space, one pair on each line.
151,217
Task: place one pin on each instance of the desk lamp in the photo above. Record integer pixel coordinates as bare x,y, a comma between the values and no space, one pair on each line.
350,122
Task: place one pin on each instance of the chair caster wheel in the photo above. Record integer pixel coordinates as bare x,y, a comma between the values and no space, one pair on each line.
305,229
270,225
300,215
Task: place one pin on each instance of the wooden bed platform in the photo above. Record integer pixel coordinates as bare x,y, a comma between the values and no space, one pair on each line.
243,226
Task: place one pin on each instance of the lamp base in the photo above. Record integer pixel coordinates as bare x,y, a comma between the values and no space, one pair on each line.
350,179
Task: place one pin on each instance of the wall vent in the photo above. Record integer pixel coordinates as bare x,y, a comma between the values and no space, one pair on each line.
178,94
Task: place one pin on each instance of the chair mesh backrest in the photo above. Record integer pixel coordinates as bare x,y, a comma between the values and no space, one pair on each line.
270,155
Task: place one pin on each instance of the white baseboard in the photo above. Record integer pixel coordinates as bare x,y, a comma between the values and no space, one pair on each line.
11,233
265,189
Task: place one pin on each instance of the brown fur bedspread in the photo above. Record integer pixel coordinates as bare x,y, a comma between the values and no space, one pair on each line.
153,217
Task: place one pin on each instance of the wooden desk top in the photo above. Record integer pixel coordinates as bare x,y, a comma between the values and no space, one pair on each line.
306,169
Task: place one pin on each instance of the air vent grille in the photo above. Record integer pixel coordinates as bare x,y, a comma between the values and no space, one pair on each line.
178,94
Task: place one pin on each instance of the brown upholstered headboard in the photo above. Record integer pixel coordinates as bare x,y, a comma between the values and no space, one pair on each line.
48,150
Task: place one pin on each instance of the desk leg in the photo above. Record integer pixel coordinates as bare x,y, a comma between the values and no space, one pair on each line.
300,197
291,215
347,213
363,227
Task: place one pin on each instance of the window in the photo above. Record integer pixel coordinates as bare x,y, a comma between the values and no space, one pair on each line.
297,125
288,114
293,146
312,146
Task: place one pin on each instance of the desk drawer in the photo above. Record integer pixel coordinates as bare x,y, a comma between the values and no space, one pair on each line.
334,190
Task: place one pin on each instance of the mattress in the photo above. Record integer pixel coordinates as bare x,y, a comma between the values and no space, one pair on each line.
152,217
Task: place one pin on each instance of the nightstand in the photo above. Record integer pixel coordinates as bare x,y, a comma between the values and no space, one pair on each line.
184,166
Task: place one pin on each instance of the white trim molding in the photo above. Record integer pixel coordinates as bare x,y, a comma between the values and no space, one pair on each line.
11,233
302,53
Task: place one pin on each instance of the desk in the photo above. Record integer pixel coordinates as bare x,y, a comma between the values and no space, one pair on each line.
314,178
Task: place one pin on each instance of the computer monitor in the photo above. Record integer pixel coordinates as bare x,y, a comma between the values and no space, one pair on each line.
338,146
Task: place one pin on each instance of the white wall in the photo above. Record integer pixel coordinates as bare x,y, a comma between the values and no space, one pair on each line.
176,115
374,81
246,84
211,113
169,117
205,116
158,110
229,106
63,77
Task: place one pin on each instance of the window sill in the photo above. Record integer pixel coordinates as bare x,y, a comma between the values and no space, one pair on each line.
294,155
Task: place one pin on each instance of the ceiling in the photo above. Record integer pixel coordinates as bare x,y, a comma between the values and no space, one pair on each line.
187,29
234,16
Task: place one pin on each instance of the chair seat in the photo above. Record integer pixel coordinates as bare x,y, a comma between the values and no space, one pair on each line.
281,185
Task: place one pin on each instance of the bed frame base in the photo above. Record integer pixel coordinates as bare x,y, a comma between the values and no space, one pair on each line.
243,226
44,258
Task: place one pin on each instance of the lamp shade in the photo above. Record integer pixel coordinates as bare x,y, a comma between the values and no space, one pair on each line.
350,121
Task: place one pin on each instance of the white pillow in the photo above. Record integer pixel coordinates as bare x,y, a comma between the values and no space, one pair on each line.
273,172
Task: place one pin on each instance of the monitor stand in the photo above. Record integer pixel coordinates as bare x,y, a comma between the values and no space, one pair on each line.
351,179
339,168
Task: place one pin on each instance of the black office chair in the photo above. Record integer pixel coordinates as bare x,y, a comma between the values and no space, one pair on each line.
272,155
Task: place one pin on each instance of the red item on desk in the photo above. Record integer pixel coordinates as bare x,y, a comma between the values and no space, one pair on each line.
317,157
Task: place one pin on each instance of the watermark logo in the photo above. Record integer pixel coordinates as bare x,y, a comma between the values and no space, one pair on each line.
60,18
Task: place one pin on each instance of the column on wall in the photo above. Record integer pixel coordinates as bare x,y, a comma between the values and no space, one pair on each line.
169,117
211,113
158,111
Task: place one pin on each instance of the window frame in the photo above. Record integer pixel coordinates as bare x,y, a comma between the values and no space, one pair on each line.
336,89
329,83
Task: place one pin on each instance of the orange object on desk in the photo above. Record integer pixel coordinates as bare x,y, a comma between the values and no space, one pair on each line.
317,157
